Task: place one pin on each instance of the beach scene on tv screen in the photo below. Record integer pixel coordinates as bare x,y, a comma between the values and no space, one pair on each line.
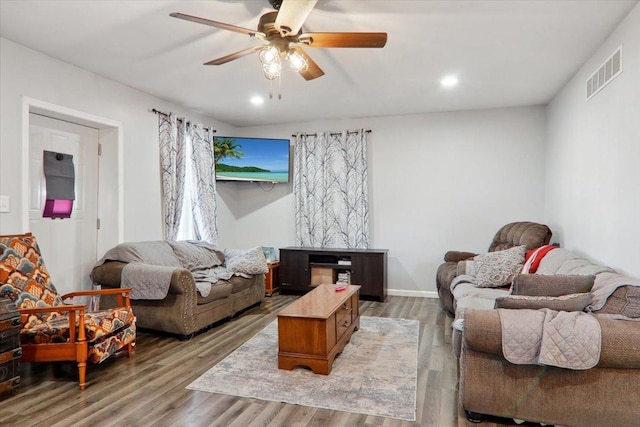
251,159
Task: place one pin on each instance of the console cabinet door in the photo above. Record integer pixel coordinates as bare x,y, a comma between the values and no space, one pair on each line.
294,270
368,271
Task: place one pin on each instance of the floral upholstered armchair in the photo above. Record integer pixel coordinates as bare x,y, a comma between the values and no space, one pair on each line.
45,331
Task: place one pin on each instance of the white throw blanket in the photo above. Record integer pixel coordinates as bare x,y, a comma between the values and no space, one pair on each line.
463,278
546,337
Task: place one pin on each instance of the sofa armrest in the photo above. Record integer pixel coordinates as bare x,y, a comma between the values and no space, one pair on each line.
620,343
109,274
620,346
456,256
182,282
482,331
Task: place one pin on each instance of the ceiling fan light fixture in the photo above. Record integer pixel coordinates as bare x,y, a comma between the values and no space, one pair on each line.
297,61
281,30
269,55
272,71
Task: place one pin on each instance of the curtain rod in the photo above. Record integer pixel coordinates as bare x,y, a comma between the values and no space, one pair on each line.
153,110
350,132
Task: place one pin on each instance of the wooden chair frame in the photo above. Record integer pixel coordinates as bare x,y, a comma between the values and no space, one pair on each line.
77,347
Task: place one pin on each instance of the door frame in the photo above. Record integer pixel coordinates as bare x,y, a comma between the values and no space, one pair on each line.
110,137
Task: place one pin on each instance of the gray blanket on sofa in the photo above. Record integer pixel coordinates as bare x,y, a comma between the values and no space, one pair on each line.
151,264
564,339
148,270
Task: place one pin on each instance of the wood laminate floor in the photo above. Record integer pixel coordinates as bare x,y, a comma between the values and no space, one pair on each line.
148,389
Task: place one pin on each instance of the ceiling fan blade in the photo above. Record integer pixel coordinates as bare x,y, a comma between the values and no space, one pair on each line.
236,55
216,24
312,71
343,39
292,15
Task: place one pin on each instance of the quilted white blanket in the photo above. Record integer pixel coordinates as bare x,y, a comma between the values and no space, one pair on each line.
546,337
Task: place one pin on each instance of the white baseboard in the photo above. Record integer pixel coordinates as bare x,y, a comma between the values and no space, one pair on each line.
417,294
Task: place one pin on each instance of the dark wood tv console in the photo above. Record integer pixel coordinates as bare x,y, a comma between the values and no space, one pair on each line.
301,269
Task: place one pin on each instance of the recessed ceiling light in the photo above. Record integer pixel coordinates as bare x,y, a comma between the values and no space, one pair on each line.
257,100
449,81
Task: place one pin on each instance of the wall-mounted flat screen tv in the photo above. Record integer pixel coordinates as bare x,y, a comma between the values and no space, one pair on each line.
251,159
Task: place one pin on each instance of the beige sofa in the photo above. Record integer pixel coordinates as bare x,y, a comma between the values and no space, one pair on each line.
183,311
606,394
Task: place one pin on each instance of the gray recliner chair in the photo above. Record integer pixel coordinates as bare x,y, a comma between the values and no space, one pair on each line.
530,234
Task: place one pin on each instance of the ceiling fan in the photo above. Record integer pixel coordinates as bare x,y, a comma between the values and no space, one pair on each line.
282,31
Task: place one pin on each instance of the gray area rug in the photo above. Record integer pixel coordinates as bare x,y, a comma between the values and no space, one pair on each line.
376,374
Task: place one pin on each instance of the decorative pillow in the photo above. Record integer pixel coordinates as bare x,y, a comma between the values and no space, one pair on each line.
553,285
572,302
249,261
498,268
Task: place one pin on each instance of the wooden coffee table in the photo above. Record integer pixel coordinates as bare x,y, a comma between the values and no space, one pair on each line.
314,329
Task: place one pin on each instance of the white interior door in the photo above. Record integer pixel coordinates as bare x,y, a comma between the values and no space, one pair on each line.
67,245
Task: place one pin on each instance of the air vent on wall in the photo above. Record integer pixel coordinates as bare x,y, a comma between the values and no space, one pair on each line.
607,72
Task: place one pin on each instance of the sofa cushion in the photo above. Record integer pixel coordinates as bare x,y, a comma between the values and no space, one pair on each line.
239,284
498,268
572,302
551,285
219,290
467,295
24,278
529,234
98,324
101,350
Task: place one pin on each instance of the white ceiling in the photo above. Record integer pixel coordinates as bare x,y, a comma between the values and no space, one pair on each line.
505,53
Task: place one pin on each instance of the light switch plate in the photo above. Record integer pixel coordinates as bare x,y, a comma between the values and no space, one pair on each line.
4,203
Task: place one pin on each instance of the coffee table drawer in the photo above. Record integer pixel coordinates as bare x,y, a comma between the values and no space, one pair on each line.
344,318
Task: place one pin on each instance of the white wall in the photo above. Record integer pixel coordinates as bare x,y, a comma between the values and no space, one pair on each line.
437,182
593,158
25,72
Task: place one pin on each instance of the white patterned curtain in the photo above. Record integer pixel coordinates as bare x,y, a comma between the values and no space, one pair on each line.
172,164
331,191
188,180
203,185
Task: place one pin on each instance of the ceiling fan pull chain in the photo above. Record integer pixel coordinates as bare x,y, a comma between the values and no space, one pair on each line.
270,89
280,87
